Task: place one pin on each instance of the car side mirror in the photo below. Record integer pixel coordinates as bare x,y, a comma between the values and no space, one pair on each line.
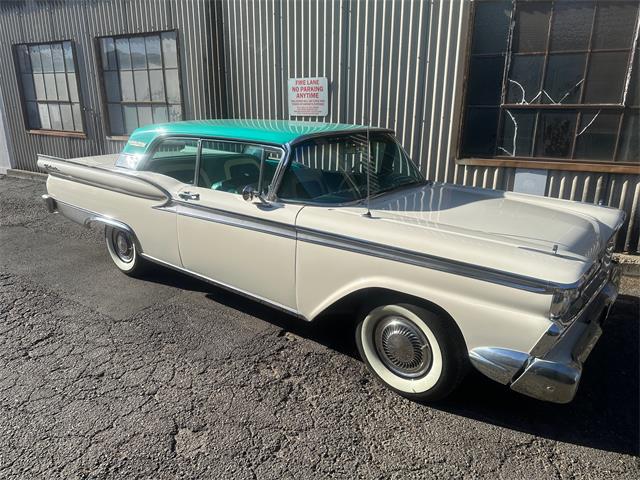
249,193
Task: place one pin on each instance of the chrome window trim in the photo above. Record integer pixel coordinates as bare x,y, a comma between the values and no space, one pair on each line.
277,178
203,138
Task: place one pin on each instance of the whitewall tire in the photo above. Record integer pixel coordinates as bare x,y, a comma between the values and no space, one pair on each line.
123,251
412,351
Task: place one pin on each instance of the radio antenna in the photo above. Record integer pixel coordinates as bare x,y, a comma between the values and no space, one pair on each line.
368,167
367,86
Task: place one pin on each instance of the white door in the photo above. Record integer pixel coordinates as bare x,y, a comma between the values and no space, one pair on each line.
241,244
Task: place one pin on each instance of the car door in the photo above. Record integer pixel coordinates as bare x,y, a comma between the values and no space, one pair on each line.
246,245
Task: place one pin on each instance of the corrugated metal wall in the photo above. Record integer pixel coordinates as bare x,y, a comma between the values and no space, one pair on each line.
83,21
397,64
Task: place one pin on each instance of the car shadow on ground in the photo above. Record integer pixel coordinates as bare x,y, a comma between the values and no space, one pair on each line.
604,415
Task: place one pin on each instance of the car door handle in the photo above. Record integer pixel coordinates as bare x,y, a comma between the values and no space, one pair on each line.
189,196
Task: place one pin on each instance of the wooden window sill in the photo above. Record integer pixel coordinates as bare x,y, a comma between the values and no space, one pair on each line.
603,167
58,133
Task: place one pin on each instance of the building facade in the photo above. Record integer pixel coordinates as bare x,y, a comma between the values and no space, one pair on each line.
537,96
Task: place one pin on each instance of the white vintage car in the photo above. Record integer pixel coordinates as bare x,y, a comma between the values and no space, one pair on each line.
316,218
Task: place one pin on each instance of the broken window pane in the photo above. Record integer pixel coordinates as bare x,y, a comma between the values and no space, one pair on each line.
564,78
614,25
605,80
516,139
524,79
532,26
629,148
480,128
596,138
491,27
571,26
485,80
555,134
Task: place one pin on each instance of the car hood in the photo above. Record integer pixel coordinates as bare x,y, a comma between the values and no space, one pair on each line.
547,225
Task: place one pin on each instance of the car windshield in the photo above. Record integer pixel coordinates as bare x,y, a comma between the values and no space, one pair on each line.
333,169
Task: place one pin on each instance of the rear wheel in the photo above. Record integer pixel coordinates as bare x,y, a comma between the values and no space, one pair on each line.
412,351
123,251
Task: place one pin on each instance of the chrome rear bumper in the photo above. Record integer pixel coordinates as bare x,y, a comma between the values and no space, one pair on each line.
555,375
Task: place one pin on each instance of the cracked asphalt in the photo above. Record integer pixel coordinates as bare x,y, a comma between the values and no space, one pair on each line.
103,376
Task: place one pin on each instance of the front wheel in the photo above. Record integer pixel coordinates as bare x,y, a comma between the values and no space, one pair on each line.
123,251
412,351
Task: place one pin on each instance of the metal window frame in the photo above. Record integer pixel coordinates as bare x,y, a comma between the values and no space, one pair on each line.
102,88
533,161
82,133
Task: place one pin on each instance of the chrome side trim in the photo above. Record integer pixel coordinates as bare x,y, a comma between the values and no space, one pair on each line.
225,286
232,219
428,261
362,247
86,217
499,364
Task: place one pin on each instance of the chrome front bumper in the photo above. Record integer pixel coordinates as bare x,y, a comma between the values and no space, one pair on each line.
553,375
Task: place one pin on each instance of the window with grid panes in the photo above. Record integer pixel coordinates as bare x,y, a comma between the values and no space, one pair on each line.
140,80
553,80
49,86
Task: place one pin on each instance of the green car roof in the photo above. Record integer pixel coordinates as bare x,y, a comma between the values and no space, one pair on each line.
278,132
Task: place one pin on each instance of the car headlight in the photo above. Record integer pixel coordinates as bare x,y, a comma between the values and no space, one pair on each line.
562,302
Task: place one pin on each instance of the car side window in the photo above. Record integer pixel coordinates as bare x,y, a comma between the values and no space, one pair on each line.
175,158
229,166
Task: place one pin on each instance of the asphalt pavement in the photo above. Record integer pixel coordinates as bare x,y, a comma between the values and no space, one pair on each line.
104,376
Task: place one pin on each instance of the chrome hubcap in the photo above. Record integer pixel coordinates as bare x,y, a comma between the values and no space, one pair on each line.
402,347
123,246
